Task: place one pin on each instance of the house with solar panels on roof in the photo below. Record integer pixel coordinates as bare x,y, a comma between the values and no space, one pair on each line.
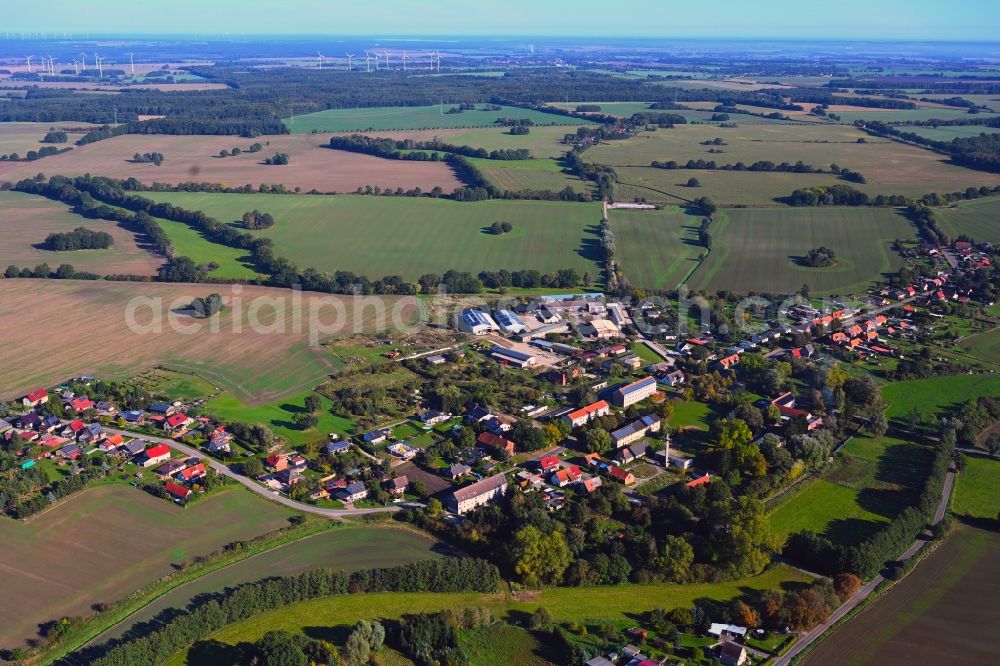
476,322
509,322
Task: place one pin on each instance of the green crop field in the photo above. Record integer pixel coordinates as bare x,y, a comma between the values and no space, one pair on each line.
979,219
567,604
377,236
758,249
101,527
343,548
537,174
932,397
983,346
977,493
829,509
898,115
278,417
414,117
542,140
949,132
656,248
190,243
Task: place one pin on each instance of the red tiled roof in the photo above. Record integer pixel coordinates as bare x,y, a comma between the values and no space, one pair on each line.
37,395
549,461
177,490
177,419
589,409
193,472
157,450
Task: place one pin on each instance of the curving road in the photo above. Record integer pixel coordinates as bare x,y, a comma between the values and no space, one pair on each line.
253,485
812,636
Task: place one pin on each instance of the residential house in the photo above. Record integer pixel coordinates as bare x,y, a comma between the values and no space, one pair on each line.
133,448
457,471
592,483
548,464
193,473
162,409
49,423
478,414
621,475
353,492
727,362
375,436
91,434
134,416
290,476
637,391
220,441
176,422
724,631
29,421
5,425
403,451
80,403
477,494
334,448
111,443
276,462
585,414
70,452
154,455
432,417
674,378
177,491
566,476
105,408
169,468
52,441
631,453
35,398
732,654
635,431
496,442
397,486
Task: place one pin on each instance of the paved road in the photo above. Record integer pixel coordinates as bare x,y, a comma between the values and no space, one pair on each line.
253,485
808,638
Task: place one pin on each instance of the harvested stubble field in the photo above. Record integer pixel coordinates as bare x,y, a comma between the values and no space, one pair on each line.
979,219
759,249
86,550
377,236
934,616
889,167
657,249
344,548
26,220
415,117
196,159
67,328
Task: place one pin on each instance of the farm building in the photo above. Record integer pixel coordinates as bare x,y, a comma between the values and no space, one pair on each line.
635,392
513,357
476,322
477,494
509,322
585,414
601,329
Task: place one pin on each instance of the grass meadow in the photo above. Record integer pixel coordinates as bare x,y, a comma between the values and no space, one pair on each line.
88,548
977,492
414,117
377,236
657,248
979,219
336,613
278,416
937,395
759,249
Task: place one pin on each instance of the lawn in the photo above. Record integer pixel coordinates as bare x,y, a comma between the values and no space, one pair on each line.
173,385
977,493
415,118
377,236
262,363
26,220
647,355
344,548
691,414
932,397
278,417
121,538
657,248
745,241
829,509
503,644
565,604
979,219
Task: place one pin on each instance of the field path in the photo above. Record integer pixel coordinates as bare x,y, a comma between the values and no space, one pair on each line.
816,633
253,485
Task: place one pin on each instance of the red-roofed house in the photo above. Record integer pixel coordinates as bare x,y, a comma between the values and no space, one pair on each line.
177,491
548,463
566,476
175,422
35,398
585,414
276,462
111,443
496,442
700,481
193,473
74,427
728,361
621,475
80,403
155,455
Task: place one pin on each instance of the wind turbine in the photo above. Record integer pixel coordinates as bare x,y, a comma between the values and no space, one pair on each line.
52,66
100,69
131,63
404,60
437,57
386,54
350,56
368,62
28,58
76,66
378,60
319,57
83,60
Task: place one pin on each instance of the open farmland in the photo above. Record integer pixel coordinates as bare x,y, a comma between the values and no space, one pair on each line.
657,249
937,395
849,114
977,494
26,220
949,132
567,604
196,158
537,174
102,543
889,167
758,249
542,141
255,366
829,509
979,219
413,236
22,137
930,616
344,548
415,117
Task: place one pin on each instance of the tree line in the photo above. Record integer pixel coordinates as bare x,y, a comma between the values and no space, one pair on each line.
402,149
975,152
213,612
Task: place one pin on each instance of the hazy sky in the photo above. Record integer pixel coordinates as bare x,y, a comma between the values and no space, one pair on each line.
857,19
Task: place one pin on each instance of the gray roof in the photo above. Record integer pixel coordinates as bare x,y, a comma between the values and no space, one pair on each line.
478,488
